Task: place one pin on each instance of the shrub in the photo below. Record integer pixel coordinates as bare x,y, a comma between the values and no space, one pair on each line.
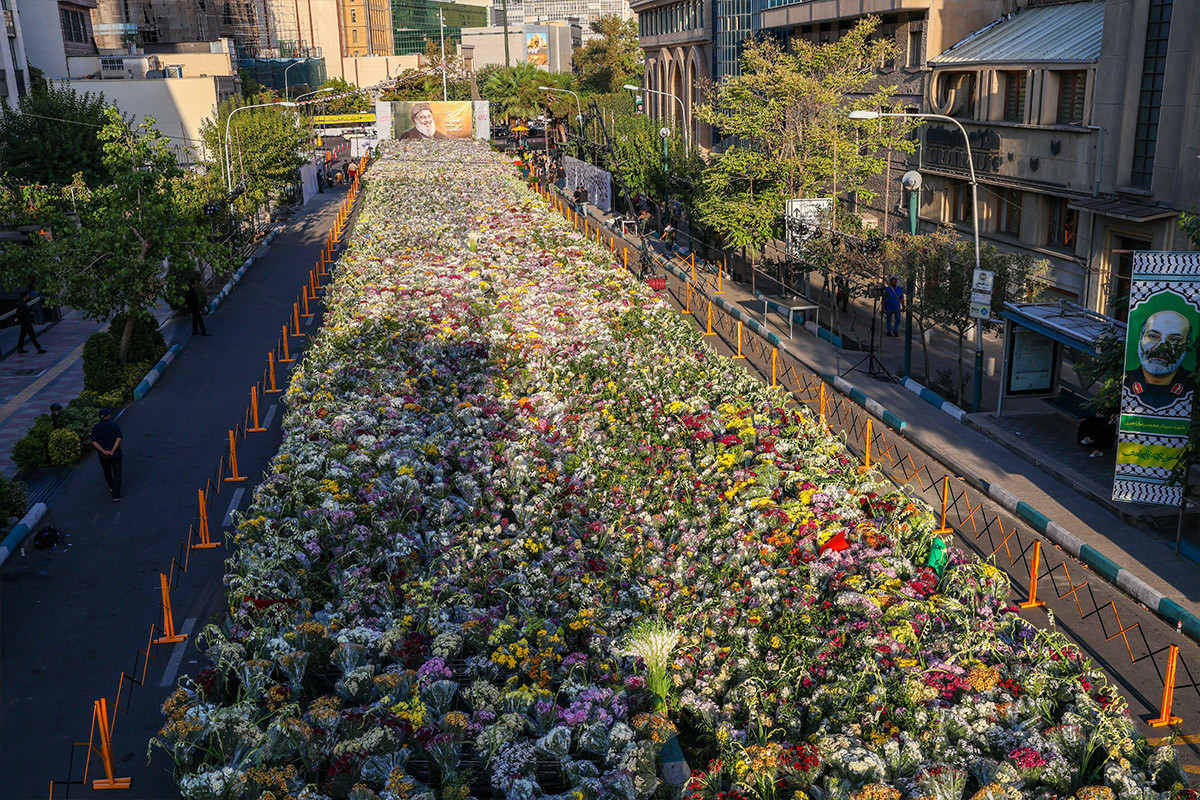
146,343
102,372
132,375
30,451
110,400
64,447
102,363
13,500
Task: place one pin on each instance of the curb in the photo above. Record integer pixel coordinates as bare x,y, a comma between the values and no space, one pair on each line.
156,371
17,535
1120,577
934,399
1132,585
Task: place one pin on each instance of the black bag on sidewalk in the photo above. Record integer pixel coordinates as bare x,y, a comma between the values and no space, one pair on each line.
48,538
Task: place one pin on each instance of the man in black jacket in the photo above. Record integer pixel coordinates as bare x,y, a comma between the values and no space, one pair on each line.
106,438
25,320
191,299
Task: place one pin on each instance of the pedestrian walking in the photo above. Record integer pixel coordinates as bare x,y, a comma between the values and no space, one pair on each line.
351,169
893,304
668,236
191,299
106,438
25,320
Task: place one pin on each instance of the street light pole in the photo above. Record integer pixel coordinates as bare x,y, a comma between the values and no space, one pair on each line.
228,120
578,107
442,28
285,83
977,400
687,125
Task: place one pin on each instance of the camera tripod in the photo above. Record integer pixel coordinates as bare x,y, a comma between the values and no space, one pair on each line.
874,367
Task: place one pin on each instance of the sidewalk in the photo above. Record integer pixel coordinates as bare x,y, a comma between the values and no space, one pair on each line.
968,452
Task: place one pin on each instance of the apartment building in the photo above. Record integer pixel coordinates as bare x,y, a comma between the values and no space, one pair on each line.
366,27
1082,136
14,81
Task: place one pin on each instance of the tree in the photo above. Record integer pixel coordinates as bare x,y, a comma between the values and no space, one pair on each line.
129,242
425,83
60,116
606,64
264,148
513,91
942,266
788,111
345,98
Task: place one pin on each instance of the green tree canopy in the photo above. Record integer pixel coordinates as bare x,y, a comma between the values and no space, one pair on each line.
604,65
127,242
788,111
513,91
346,99
51,135
264,148
942,266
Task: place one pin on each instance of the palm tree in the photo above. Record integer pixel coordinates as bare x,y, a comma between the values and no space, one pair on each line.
514,90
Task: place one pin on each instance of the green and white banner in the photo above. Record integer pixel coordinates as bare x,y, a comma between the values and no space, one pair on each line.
1160,376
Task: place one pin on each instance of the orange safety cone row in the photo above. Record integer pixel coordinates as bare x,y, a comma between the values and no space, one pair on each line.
169,635
100,721
233,477
307,314
271,369
297,334
254,411
206,541
739,340
1168,696
1032,601
866,467
287,359
944,528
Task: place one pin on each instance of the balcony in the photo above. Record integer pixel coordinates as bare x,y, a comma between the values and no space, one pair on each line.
10,25
1058,157
786,13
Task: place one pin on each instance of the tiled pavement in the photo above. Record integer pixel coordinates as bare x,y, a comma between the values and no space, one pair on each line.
31,382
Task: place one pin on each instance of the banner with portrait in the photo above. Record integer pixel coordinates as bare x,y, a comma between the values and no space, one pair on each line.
1160,376
432,119
597,182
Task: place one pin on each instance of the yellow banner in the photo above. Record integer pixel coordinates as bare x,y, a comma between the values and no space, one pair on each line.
344,119
1148,455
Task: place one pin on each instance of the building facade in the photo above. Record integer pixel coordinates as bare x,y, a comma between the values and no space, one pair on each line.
14,81
366,27
416,22
1084,129
64,30
677,38
548,47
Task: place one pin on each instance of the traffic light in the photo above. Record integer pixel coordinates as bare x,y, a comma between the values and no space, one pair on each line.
637,105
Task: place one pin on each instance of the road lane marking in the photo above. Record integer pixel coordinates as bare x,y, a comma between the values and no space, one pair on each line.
233,504
1191,738
177,657
270,415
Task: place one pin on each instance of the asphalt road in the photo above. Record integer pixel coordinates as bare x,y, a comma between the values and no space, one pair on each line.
71,620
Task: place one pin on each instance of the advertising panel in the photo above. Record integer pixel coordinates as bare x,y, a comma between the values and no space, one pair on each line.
802,215
1160,375
432,119
537,49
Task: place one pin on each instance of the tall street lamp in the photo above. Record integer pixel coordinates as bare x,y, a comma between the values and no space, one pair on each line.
285,72
864,115
687,125
442,30
228,120
310,94
578,107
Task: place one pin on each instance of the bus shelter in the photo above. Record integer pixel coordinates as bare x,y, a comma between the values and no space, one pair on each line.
1037,338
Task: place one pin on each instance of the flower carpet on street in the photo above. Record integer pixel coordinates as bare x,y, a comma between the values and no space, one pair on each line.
525,527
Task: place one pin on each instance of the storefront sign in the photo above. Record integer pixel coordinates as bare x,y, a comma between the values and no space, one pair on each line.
1160,365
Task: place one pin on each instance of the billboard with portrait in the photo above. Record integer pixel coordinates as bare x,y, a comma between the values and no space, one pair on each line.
432,119
537,49
1160,375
